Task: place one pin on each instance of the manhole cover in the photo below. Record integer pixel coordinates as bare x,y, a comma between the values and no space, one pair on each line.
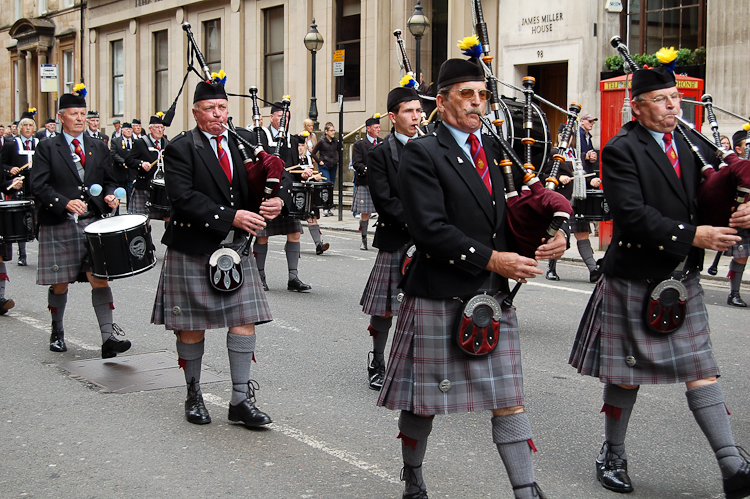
135,373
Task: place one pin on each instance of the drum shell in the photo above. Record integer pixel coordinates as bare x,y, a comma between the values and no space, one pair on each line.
17,221
299,207
322,195
514,131
158,200
592,209
122,252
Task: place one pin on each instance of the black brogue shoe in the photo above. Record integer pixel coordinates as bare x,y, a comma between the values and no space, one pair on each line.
613,473
245,412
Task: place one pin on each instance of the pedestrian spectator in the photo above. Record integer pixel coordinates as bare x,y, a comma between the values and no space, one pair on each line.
326,155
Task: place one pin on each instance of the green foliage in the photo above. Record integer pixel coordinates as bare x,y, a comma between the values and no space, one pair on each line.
613,62
684,57
699,56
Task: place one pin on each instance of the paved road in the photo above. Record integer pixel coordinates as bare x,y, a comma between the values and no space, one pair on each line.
62,437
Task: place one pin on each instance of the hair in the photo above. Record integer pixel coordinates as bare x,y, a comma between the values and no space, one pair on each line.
27,121
445,91
329,125
307,122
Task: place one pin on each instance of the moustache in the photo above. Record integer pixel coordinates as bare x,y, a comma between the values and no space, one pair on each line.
474,111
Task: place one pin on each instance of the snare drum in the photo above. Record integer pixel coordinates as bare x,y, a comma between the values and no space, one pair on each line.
120,246
17,221
300,206
322,195
592,209
158,200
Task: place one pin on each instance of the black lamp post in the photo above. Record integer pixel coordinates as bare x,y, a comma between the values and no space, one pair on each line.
418,25
313,43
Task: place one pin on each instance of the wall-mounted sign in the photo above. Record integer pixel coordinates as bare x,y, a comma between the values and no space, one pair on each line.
614,6
338,63
543,23
48,75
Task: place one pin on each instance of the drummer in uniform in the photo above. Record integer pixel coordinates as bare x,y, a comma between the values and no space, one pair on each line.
6,187
740,251
207,186
362,202
310,173
16,158
144,160
65,168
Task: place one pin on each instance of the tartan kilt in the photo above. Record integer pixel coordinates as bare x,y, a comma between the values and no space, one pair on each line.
280,226
137,202
613,328
362,202
742,248
424,354
63,256
185,300
381,291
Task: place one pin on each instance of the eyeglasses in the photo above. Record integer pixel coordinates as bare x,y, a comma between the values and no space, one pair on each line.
468,93
661,99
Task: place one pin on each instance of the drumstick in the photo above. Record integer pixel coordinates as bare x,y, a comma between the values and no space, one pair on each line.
25,166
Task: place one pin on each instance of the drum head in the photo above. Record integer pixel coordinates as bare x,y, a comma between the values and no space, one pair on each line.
15,204
115,224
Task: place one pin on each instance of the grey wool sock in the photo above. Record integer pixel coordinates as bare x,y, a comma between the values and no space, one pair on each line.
56,305
736,270
190,358
512,434
363,227
379,327
413,432
710,411
587,253
618,406
292,258
101,299
260,251
3,278
241,349
315,233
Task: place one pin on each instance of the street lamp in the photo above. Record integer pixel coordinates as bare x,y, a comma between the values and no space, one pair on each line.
418,25
313,42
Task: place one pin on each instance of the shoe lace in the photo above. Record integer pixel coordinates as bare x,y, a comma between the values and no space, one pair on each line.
252,385
407,474
536,491
615,458
192,388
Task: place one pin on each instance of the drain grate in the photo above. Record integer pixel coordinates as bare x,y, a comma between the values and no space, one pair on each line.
135,373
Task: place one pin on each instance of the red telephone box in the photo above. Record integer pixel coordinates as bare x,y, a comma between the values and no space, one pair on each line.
610,119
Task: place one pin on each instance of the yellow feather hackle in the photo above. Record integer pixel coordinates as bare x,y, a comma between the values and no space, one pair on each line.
666,55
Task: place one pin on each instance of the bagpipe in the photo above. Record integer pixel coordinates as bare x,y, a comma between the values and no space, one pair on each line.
409,79
723,190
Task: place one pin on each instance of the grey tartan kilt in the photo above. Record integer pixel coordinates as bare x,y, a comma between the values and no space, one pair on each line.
185,300
742,248
362,202
280,226
424,356
63,255
612,328
137,202
381,291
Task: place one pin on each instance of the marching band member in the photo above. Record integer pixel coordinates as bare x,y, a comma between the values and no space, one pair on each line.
49,130
143,159
362,202
119,147
92,120
6,250
309,173
740,251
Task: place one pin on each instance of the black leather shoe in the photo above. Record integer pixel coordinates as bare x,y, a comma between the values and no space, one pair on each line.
297,285
21,260
57,340
551,275
613,473
321,247
245,412
734,299
195,409
5,305
738,485
595,274
537,492
407,475
263,282
114,345
375,373
422,494
363,244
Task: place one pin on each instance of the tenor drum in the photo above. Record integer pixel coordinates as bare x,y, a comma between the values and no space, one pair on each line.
120,246
322,195
592,209
514,131
17,221
300,206
158,200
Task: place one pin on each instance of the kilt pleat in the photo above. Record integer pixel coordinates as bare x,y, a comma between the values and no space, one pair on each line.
137,202
381,291
62,252
742,248
280,226
424,357
362,202
186,301
613,329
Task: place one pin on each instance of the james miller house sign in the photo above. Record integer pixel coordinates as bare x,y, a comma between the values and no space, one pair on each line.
541,24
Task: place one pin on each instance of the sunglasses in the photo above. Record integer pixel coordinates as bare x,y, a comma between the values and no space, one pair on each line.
468,93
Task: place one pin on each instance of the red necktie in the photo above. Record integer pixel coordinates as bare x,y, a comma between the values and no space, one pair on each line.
671,154
223,159
79,152
480,161
28,145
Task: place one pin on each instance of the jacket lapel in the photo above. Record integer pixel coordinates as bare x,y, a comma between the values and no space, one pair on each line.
688,169
659,158
206,153
64,150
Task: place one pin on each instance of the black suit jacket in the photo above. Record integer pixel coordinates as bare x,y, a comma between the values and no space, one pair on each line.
360,150
382,179
10,156
119,153
55,179
143,150
654,211
287,151
203,201
452,218
103,137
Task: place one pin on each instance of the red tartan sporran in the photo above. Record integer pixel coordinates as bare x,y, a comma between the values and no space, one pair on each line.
664,309
478,325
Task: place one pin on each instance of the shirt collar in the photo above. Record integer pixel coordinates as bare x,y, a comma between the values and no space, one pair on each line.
403,138
69,138
461,137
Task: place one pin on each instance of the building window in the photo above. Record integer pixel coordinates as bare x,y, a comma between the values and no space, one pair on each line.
348,17
273,54
68,71
18,10
118,79
161,60
668,23
212,44
68,3
42,7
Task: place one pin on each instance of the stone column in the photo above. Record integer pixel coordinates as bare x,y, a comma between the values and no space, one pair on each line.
43,111
29,81
23,101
